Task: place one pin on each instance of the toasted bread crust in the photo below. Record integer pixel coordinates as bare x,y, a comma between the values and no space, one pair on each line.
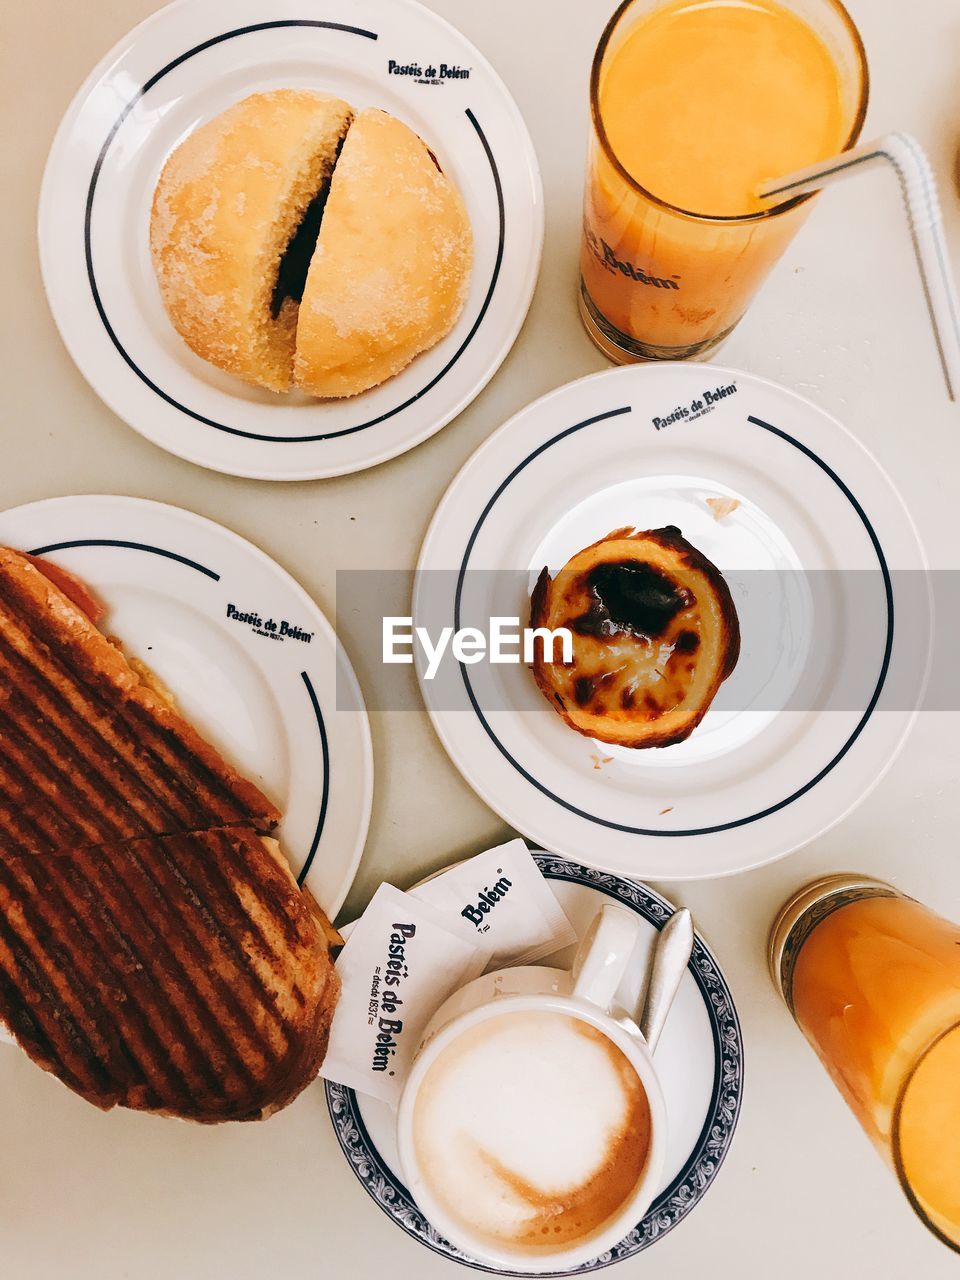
626,688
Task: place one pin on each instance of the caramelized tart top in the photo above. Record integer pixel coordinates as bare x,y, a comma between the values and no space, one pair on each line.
655,633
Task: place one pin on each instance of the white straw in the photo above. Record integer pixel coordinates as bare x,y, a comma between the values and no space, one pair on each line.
919,189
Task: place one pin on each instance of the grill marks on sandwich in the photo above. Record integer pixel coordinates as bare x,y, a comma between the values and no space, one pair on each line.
87,791
162,970
39,1001
70,983
155,949
146,975
103,756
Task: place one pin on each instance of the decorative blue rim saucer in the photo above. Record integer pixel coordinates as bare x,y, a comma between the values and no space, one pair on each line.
684,1191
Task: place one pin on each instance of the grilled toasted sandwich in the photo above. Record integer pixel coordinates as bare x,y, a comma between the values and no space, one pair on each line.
89,751
155,949
185,975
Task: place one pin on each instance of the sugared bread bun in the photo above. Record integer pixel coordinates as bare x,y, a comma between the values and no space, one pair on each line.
228,202
285,197
389,275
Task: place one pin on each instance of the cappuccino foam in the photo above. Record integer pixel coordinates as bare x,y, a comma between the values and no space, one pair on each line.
532,1129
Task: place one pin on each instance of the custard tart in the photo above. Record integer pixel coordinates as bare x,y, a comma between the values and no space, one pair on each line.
654,634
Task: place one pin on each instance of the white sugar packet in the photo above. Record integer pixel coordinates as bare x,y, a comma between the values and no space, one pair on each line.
502,901
401,961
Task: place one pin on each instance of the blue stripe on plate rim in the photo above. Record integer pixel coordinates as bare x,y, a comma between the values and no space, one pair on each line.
150,549
747,818
691,1184
91,274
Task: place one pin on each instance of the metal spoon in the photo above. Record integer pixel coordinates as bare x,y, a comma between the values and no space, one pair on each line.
671,955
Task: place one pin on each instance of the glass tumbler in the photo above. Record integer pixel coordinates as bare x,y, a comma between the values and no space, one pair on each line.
661,282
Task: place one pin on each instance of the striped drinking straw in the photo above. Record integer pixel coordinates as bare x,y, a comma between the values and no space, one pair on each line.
919,190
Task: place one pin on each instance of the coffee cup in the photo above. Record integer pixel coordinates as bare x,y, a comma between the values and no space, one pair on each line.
532,1126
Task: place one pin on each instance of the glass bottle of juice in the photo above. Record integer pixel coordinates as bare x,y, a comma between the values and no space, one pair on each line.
873,981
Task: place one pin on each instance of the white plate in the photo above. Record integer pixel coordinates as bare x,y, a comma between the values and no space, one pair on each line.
184,65
699,1057
267,699
821,557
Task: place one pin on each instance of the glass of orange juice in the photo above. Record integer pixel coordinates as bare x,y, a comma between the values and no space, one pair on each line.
694,103
873,981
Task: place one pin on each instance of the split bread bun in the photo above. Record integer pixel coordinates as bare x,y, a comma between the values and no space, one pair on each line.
229,201
655,633
286,196
389,275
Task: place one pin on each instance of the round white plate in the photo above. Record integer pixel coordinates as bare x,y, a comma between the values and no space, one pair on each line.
226,630
183,66
699,1056
830,585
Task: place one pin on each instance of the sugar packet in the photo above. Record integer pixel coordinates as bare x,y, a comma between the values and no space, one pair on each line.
503,902
400,962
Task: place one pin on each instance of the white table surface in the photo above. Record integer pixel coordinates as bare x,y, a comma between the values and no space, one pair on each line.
84,1195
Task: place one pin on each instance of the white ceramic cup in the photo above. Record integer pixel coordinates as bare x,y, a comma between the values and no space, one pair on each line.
587,993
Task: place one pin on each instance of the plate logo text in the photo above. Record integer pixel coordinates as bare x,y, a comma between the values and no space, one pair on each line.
272,628
429,74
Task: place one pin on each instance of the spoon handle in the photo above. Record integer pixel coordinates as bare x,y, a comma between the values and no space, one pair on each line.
670,959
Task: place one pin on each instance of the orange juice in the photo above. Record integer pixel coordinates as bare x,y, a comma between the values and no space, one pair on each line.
707,98
873,980
695,103
927,1156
